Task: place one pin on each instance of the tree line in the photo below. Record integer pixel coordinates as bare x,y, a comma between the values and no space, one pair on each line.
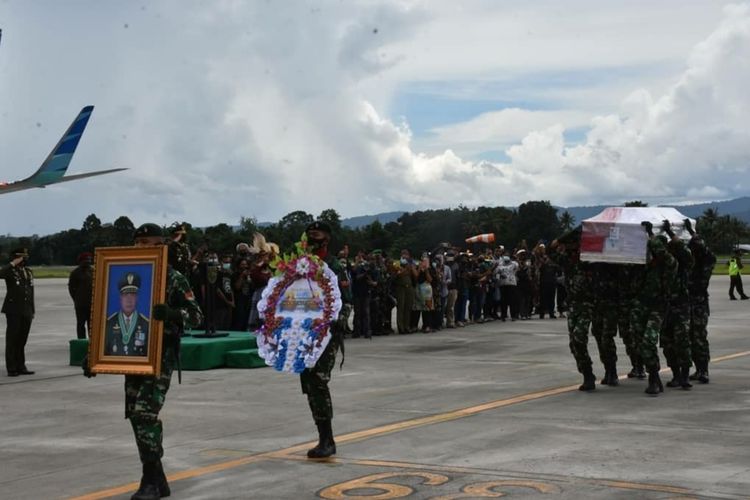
417,231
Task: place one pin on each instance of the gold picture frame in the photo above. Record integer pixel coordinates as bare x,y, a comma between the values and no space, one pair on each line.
128,282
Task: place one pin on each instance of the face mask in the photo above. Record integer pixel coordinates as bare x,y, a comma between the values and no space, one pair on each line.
227,266
404,261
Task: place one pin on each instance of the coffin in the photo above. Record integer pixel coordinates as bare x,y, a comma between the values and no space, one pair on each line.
617,236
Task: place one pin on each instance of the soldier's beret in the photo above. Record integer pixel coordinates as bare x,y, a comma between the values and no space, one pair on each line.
20,252
129,283
177,228
148,230
319,226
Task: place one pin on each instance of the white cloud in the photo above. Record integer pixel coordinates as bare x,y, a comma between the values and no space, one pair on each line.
251,108
499,129
689,142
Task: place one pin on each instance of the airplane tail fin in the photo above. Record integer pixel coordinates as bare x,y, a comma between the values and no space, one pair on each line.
56,164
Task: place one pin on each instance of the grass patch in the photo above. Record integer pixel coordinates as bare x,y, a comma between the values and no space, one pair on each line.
722,265
44,272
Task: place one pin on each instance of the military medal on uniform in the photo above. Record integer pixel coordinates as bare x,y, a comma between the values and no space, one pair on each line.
127,326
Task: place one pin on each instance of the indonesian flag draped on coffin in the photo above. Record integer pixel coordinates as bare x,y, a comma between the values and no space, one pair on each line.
617,236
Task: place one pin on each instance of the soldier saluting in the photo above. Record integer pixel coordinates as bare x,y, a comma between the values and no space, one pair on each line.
179,251
126,331
18,308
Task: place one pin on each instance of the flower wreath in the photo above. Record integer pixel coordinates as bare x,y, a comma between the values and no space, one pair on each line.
293,341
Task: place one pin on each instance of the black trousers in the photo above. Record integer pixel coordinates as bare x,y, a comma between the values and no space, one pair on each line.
16,336
83,316
547,299
362,316
509,300
736,282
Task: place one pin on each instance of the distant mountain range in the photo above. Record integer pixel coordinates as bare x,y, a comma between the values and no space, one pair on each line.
738,207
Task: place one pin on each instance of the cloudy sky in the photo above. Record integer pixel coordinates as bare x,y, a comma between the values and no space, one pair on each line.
223,109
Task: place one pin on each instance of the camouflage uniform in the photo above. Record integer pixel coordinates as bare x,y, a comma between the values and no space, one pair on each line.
675,334
179,254
144,396
699,308
653,300
315,380
579,288
629,279
604,322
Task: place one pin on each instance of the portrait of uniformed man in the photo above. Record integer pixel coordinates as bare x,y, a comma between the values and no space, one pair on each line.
126,331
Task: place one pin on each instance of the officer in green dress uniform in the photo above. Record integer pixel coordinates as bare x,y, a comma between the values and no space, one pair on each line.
126,333
18,308
145,395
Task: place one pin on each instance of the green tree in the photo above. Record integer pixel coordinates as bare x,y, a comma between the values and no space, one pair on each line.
220,238
248,226
567,221
123,229
91,224
536,220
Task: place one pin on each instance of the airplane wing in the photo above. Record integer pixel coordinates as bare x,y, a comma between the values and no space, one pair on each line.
53,170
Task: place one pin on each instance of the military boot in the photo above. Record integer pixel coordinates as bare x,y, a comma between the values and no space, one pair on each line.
685,378
161,480
701,372
326,445
638,371
610,375
589,380
613,380
654,382
149,489
694,376
676,378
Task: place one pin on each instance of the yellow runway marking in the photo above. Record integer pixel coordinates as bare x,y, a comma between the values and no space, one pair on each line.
357,436
200,471
391,464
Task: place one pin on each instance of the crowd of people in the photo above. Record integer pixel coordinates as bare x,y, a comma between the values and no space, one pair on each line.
444,288
662,303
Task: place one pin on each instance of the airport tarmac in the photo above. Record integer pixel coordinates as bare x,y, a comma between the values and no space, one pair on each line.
484,411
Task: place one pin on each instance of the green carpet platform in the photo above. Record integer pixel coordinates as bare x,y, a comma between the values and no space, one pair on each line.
238,350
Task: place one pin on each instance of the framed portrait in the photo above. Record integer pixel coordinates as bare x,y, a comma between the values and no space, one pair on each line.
128,282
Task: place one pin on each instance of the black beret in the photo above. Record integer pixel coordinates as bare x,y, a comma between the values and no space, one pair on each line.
148,230
20,252
177,228
129,283
319,226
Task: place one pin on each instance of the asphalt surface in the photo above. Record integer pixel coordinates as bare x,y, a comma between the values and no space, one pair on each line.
479,412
